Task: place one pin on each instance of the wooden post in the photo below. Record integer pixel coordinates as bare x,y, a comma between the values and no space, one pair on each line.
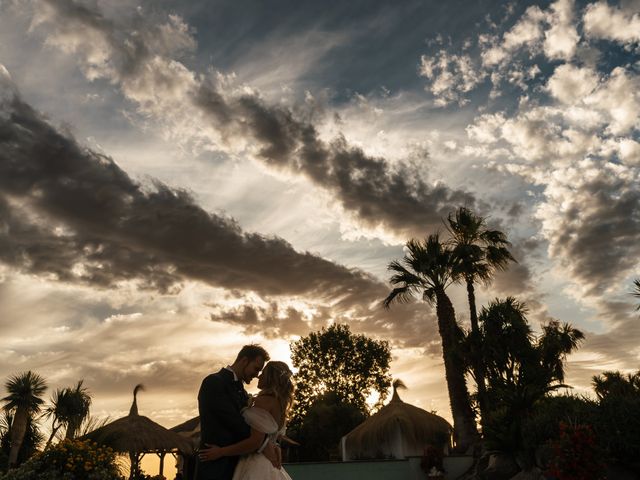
161,455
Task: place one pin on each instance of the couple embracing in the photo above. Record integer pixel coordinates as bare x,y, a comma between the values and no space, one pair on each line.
239,435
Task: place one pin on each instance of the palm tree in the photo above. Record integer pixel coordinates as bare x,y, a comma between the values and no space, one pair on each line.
79,403
616,384
557,341
32,438
56,410
25,392
481,252
521,370
69,408
636,290
427,270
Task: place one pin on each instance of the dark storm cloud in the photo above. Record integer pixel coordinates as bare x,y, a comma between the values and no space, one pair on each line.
378,193
116,228
599,238
70,212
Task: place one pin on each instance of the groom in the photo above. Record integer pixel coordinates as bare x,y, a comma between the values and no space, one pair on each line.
220,401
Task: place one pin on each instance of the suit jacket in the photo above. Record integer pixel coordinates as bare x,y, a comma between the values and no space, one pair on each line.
220,401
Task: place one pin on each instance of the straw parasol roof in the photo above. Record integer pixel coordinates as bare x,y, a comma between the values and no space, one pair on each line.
138,434
398,429
189,430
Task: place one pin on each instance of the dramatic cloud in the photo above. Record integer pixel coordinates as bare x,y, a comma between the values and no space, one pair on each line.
181,211
592,221
73,214
211,113
578,143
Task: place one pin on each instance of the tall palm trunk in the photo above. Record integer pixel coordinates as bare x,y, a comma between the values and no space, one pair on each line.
465,431
18,431
72,428
476,356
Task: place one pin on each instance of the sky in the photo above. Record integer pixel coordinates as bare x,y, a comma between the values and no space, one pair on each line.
180,178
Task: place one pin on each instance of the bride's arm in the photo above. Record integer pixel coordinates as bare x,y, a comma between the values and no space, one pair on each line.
248,445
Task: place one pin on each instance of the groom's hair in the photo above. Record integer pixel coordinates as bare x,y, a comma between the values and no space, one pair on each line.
252,352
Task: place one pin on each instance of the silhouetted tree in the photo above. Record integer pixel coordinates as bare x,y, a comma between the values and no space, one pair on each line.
618,422
350,366
521,370
24,400
636,291
328,419
69,407
426,270
616,384
30,443
337,372
480,252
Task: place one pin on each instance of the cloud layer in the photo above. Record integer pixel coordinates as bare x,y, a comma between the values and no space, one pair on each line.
73,214
209,112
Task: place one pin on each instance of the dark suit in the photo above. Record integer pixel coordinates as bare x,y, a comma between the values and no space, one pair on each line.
220,401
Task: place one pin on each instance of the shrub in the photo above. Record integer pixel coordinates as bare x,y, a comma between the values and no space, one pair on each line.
69,460
618,429
576,455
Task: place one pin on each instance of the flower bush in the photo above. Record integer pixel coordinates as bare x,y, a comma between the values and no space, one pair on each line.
576,455
69,460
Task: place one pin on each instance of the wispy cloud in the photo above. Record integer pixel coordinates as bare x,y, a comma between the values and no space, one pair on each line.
212,112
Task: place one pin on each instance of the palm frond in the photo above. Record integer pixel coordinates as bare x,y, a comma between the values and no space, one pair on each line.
636,290
399,294
25,390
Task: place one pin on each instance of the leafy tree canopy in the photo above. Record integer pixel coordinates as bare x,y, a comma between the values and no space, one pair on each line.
348,365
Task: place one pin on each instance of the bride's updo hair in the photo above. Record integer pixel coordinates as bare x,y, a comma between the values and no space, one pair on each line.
278,382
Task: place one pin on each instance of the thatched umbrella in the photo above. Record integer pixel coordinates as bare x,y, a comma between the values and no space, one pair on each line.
398,430
137,435
189,430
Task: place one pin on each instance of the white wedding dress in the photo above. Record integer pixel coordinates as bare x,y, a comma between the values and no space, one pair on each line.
255,466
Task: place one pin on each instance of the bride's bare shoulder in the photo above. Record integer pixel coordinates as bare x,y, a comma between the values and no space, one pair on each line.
269,403
265,400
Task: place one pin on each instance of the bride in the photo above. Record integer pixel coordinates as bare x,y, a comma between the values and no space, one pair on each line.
267,415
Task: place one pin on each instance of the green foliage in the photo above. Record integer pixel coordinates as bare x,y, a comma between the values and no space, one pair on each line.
69,460
350,366
328,419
